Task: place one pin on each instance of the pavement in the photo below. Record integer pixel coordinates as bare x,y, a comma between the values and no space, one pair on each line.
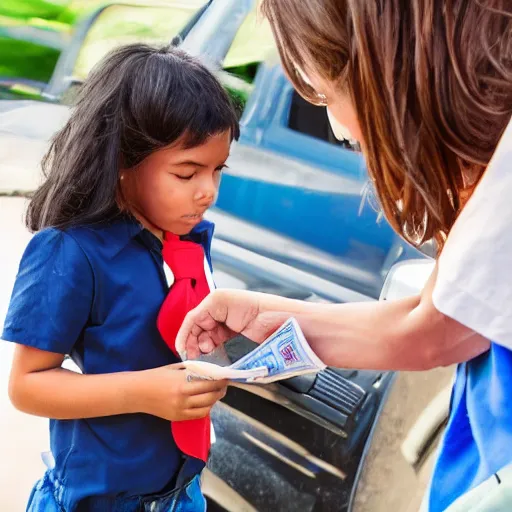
26,128
22,437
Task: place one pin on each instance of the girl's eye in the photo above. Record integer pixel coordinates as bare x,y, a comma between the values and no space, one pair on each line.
185,178
221,168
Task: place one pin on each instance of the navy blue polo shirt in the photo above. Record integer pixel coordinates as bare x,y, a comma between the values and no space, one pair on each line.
95,293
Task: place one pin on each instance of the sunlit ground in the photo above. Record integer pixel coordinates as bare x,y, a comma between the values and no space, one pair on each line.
22,437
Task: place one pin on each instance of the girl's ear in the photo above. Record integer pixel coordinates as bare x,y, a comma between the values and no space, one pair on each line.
122,164
122,195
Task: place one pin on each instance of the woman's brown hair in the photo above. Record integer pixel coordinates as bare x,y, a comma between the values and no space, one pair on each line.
431,82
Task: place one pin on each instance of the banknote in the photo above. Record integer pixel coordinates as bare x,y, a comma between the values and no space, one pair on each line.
285,354
211,371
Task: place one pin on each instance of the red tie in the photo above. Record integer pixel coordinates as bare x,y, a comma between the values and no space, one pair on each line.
186,261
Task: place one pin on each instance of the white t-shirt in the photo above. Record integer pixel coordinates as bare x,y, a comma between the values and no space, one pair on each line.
474,282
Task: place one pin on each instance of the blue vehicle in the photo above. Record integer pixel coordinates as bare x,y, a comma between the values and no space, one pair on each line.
288,174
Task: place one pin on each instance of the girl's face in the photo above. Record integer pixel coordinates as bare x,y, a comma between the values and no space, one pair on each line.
171,189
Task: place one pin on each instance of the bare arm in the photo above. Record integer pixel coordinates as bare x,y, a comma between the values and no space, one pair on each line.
39,386
407,334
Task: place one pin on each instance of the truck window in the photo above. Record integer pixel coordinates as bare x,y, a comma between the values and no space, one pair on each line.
252,43
123,24
120,24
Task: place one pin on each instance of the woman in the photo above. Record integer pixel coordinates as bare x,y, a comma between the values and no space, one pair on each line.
426,88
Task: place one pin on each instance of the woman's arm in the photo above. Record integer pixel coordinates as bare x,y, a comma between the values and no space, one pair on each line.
406,334
39,386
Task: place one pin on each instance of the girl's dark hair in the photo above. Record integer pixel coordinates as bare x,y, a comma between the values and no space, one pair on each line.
431,83
137,100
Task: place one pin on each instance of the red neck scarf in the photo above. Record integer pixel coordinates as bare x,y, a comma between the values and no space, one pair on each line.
186,261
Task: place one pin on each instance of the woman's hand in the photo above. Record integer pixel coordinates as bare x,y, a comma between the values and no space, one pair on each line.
222,315
405,334
165,392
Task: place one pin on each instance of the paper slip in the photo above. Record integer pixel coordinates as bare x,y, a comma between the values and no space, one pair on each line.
210,371
285,354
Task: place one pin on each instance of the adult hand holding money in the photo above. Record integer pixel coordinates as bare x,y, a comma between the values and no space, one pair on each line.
222,315
284,354
264,319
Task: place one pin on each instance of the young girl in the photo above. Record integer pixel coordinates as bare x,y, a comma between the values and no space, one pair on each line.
132,172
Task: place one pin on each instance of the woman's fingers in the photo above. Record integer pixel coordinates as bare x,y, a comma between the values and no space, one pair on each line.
215,320
209,340
191,328
205,318
221,334
195,336
205,342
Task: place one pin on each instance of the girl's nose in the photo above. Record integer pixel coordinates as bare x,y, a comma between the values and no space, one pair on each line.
206,194
207,190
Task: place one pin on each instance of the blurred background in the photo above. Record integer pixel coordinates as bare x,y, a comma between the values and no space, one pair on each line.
33,34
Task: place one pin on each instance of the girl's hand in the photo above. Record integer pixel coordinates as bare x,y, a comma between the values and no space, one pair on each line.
165,392
38,385
222,315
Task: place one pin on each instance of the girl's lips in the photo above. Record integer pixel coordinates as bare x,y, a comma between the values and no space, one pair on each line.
194,217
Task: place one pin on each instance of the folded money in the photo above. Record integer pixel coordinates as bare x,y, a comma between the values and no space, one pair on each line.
211,371
285,354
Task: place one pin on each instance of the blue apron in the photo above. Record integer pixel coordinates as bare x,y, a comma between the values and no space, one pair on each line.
478,438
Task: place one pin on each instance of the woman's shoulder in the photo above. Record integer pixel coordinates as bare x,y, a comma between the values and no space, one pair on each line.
474,282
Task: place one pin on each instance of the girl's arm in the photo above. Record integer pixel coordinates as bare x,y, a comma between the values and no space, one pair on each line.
39,386
407,334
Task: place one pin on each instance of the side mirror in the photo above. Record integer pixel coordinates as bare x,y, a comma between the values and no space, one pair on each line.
406,278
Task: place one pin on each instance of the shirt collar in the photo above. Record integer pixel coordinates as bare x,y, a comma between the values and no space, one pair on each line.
122,230
202,234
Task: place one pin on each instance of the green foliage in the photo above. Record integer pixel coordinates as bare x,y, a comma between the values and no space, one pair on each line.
27,60
25,54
